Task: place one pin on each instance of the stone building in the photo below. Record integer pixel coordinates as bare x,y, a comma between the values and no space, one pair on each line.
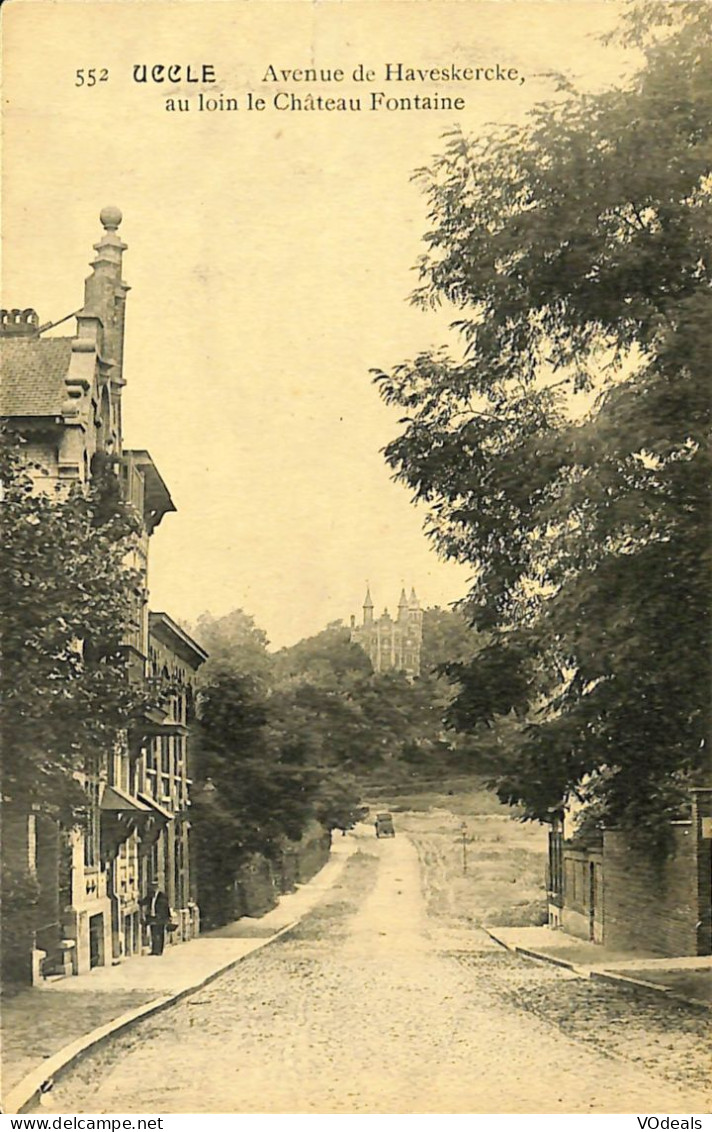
392,645
165,773
64,396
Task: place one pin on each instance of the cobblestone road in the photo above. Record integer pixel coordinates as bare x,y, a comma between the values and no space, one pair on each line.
367,1008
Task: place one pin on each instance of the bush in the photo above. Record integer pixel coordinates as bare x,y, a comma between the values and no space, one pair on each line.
20,894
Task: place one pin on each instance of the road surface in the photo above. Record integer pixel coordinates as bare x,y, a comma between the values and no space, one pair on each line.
366,1008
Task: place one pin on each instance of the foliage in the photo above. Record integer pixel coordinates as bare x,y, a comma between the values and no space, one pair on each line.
233,643
370,723
338,801
297,746
325,657
448,638
383,723
566,454
19,892
262,796
67,601
265,763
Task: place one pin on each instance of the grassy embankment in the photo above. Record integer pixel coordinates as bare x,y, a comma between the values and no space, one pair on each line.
500,878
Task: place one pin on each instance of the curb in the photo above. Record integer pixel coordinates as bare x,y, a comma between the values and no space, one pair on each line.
604,976
600,974
39,1080
528,954
567,964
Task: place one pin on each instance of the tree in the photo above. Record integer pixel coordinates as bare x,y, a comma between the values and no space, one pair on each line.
382,725
235,643
260,796
326,657
269,735
299,746
447,638
566,455
265,755
67,602
370,723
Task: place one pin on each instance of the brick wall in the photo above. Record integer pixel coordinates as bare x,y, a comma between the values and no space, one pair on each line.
651,904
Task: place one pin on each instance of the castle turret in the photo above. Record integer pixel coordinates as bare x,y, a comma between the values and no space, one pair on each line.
415,629
368,607
403,607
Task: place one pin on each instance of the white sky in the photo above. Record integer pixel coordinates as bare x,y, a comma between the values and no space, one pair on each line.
270,260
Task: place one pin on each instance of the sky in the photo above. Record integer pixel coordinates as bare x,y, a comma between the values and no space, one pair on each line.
270,259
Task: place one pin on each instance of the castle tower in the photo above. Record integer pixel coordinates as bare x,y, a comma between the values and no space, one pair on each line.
368,607
415,613
415,629
392,645
403,607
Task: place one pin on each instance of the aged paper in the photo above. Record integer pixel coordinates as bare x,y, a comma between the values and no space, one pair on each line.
272,230
261,152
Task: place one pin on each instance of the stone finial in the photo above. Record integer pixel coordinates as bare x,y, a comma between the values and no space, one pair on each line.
110,217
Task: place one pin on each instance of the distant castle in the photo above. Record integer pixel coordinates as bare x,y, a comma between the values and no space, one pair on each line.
391,645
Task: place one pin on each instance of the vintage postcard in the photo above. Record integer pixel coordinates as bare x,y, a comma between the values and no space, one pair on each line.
319,320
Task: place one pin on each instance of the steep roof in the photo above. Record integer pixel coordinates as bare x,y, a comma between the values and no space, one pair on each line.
33,372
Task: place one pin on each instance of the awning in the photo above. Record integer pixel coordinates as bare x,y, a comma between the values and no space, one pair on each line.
152,804
117,800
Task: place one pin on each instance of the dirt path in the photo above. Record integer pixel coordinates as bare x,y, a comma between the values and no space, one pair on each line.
359,1011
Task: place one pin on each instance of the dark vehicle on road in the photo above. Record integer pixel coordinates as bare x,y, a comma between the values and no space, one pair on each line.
384,825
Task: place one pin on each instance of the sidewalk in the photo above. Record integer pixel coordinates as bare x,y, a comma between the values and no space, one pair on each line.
688,978
46,1028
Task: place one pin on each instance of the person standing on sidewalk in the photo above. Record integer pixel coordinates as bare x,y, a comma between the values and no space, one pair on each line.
158,914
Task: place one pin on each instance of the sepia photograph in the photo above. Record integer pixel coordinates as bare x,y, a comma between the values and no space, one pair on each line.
355,574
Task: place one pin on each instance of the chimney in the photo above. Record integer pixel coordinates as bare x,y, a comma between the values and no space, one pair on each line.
19,324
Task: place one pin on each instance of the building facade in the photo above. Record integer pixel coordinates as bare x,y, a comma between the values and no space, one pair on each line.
64,396
166,773
392,645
